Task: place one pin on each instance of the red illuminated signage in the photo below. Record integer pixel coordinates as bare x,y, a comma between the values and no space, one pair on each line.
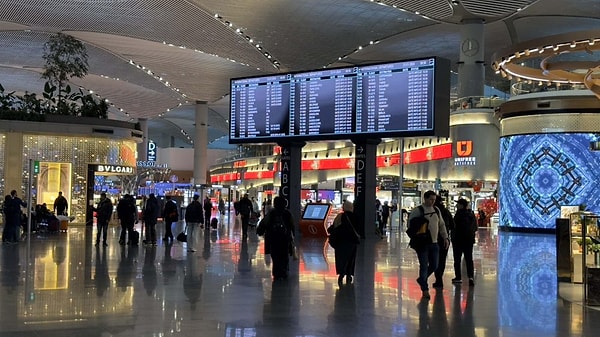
437,152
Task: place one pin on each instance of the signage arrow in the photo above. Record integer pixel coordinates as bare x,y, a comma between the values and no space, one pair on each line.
360,149
286,151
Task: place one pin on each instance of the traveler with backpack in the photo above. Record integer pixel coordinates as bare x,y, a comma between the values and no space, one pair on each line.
428,219
346,242
463,239
278,230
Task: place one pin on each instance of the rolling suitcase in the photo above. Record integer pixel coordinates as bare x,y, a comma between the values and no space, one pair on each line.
135,238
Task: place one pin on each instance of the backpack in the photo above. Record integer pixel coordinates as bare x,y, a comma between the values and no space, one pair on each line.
277,226
416,222
418,230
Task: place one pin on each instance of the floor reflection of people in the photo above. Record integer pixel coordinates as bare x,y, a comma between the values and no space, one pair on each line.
279,311
437,324
462,321
10,267
169,267
439,320
343,320
101,277
206,247
149,270
244,263
192,282
126,270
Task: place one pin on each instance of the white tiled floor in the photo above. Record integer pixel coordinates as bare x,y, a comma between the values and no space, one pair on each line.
61,285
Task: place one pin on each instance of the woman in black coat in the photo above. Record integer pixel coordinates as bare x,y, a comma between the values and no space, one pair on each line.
278,229
347,240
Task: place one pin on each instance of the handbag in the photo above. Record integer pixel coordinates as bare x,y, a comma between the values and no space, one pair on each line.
333,238
292,249
182,237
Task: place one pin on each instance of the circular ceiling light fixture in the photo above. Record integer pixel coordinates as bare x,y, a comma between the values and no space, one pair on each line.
572,58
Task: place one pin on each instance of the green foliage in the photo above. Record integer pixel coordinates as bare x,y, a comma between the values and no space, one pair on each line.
65,57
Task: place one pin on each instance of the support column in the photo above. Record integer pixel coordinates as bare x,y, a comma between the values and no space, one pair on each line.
201,143
471,71
365,172
142,149
13,163
291,177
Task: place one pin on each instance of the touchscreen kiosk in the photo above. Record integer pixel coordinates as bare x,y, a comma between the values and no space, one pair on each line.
313,221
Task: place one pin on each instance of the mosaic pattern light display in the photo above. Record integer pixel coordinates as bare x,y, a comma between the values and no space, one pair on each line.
539,173
527,283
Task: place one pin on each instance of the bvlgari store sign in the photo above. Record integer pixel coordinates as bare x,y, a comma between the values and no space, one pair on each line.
114,169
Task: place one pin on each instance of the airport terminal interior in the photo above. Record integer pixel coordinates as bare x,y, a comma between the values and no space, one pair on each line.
523,79
60,284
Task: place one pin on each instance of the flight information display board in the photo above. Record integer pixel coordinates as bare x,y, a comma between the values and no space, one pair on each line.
395,99
259,107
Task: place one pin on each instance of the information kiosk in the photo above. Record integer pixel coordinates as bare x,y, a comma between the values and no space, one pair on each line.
313,221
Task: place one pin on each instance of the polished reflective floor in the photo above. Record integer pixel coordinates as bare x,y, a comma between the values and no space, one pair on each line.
59,284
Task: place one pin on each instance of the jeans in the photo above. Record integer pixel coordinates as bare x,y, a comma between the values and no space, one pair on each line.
190,226
428,262
102,225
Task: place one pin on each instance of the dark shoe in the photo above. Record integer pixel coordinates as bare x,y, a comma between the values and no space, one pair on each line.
438,285
122,242
348,279
456,280
340,280
471,282
97,243
105,244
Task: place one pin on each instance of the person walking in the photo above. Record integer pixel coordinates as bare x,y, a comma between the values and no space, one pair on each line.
170,215
208,208
221,206
245,210
12,217
103,214
127,213
428,254
60,205
347,240
193,218
385,215
449,224
151,213
278,230
463,239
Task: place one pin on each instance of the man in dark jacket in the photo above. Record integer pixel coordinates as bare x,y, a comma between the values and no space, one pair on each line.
151,213
127,213
170,215
103,214
245,209
193,218
60,205
208,207
463,239
449,222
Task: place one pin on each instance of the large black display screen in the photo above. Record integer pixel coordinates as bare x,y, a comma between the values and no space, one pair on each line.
397,99
259,107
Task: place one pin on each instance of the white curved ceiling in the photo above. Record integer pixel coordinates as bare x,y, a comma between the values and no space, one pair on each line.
158,57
